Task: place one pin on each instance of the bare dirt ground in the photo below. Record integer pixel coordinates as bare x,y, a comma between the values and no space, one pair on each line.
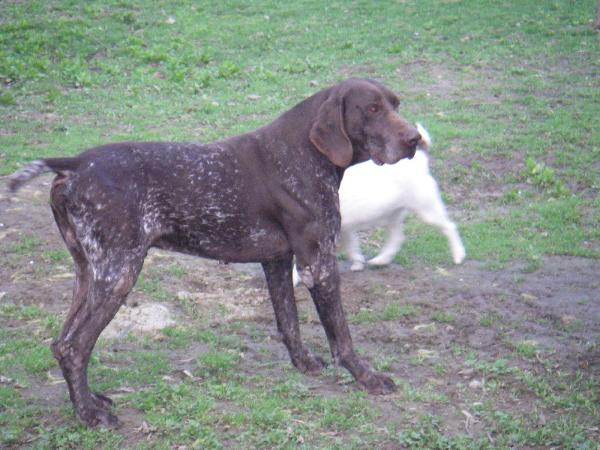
456,313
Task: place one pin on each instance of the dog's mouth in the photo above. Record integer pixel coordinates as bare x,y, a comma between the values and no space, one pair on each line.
408,153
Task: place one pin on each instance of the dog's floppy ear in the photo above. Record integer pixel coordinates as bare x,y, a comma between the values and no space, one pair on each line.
328,133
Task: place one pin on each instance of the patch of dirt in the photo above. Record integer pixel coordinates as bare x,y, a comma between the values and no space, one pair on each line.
455,311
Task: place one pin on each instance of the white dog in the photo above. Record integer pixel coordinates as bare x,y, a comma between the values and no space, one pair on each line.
372,195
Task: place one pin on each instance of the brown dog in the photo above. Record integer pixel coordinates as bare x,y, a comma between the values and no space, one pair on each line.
263,196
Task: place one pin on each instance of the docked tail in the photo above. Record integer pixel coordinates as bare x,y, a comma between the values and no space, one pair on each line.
425,142
39,166
22,176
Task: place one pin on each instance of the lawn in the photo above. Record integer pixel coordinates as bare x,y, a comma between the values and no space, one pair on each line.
503,351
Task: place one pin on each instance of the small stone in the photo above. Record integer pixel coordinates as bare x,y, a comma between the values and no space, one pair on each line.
424,326
184,295
466,372
567,319
476,384
442,271
426,354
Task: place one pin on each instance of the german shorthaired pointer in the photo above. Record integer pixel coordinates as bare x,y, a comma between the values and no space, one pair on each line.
263,196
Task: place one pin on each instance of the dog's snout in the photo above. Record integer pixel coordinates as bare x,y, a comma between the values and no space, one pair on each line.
413,138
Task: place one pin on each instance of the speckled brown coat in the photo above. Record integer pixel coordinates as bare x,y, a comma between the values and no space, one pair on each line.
263,196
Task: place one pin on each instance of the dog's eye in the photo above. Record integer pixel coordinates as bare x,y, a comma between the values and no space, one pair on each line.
373,109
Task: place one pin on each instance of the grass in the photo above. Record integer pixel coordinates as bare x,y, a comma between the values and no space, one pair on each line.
390,312
551,226
232,400
152,286
508,90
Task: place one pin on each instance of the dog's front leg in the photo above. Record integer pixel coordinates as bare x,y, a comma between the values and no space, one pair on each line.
279,281
326,296
394,240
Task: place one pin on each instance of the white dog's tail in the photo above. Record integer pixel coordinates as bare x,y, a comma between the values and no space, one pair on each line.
425,142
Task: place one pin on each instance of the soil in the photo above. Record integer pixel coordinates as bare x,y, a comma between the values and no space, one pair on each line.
556,308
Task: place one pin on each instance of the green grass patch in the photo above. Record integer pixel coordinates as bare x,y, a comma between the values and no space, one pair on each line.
77,437
526,348
391,311
152,286
510,94
21,312
109,371
218,362
550,227
17,417
26,245
442,317
25,357
56,255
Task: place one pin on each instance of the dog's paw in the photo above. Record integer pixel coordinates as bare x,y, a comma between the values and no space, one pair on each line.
377,383
380,261
92,416
459,255
101,400
374,382
309,363
357,266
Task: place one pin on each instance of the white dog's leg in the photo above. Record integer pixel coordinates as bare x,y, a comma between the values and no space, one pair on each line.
351,243
295,275
434,213
456,245
449,229
395,237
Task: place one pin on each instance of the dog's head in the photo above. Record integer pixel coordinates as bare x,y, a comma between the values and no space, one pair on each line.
359,121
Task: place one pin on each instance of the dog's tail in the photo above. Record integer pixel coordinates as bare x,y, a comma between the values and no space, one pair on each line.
425,142
38,167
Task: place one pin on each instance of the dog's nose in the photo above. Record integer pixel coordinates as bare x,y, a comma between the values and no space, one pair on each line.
414,139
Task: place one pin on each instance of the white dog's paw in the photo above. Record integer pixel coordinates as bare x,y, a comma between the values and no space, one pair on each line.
357,266
459,255
380,260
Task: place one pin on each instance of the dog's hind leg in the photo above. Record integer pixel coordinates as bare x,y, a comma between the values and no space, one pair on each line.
394,239
99,290
279,281
434,213
97,297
